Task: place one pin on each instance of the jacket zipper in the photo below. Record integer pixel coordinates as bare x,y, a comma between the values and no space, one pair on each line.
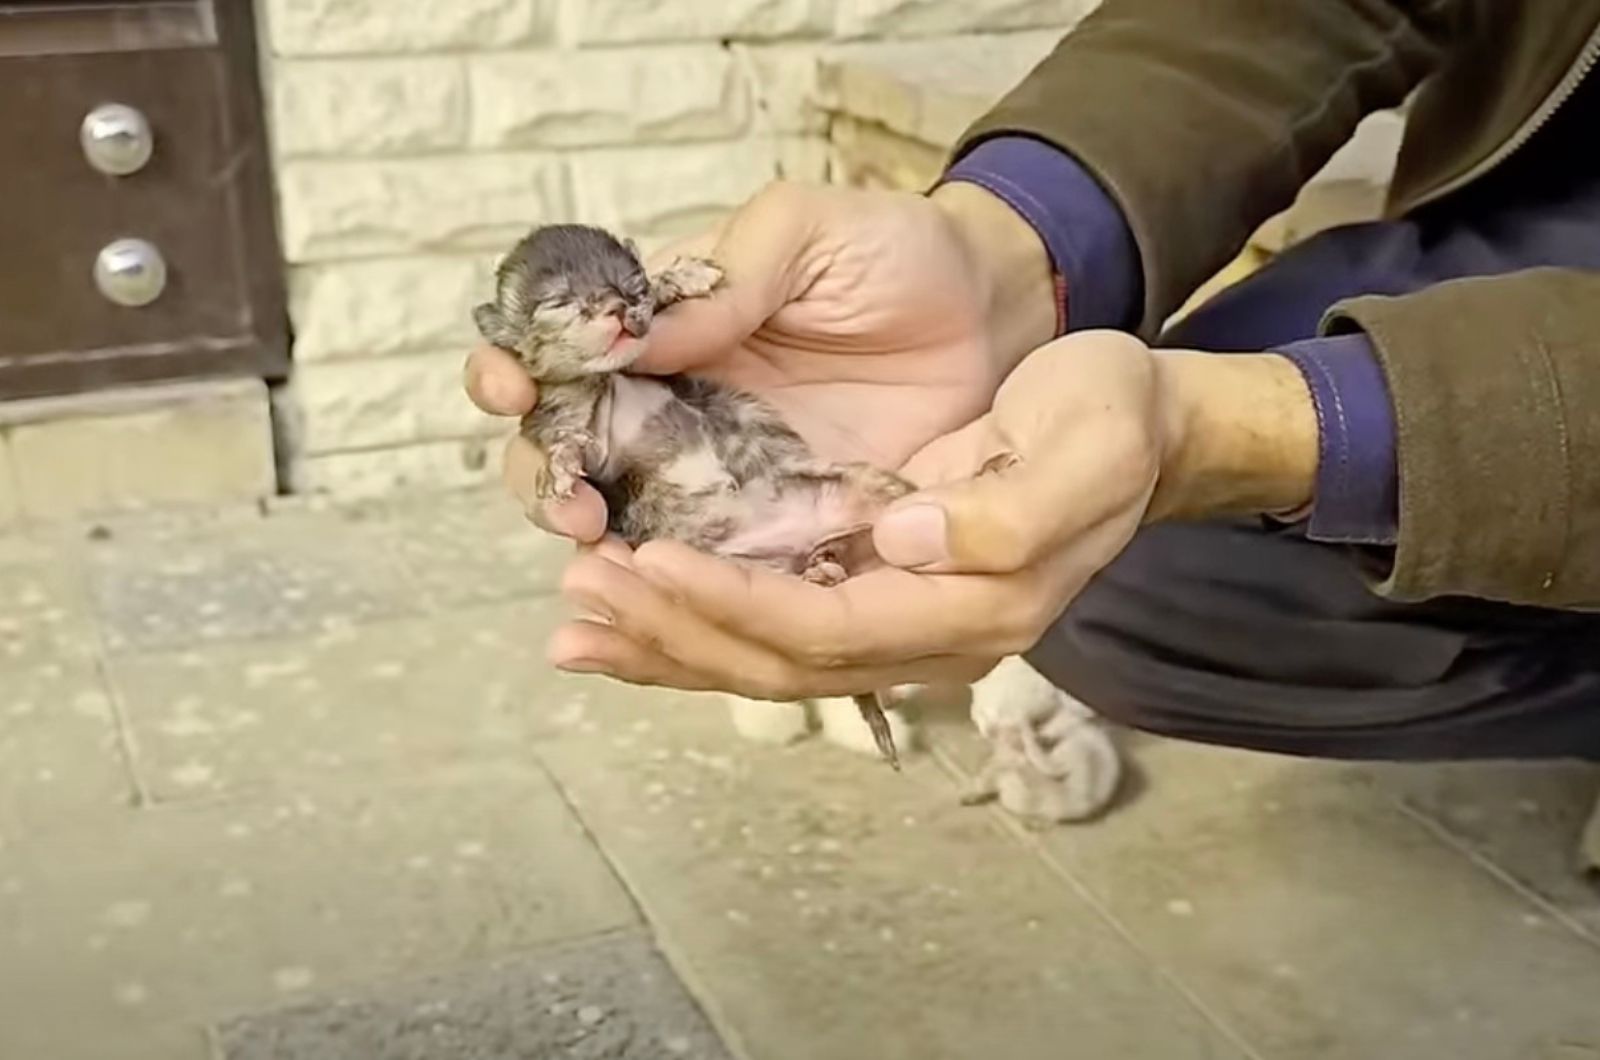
1564,90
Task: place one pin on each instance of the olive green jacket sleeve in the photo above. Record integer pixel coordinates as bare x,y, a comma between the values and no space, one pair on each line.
1204,119
1496,388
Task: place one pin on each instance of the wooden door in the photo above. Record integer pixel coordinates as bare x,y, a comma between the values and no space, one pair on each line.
202,200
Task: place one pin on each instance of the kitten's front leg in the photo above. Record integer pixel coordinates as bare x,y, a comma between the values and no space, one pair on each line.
559,427
684,278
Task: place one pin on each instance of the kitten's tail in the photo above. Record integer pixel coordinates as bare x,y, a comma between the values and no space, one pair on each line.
871,706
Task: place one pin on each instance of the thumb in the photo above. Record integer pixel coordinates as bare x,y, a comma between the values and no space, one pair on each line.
963,520
760,249
989,523
1024,503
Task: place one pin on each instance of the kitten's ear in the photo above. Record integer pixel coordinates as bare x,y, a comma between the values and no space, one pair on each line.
494,327
633,248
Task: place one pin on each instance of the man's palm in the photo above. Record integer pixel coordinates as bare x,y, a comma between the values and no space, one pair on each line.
867,325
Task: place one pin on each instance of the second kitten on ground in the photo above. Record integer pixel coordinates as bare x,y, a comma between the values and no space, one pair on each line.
1051,759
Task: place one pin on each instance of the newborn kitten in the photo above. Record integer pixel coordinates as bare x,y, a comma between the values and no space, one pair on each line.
674,457
1052,761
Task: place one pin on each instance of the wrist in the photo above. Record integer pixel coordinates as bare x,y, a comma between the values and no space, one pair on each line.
1011,265
1240,436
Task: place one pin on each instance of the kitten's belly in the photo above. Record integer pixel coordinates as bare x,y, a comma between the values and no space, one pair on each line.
623,417
688,494
782,527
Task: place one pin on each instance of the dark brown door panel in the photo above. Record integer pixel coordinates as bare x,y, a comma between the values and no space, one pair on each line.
202,200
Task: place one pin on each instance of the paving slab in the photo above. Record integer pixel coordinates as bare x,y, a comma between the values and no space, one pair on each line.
1309,913
612,998
1524,818
184,913
826,906
161,584
399,697
44,611
173,1041
471,547
61,759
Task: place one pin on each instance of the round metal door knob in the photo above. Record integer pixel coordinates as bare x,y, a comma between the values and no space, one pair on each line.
130,272
116,139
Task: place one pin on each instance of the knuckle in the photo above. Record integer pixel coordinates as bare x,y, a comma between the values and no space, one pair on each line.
583,577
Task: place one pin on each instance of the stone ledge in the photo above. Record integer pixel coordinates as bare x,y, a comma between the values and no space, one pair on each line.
928,90
141,447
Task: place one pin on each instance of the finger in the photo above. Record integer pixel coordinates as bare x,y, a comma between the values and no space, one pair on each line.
587,647
882,617
591,648
761,250
497,384
611,548
654,621
582,518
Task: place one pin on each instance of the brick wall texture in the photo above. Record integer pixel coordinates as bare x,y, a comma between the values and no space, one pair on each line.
415,141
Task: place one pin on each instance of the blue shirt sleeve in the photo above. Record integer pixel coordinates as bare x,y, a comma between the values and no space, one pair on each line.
1089,243
1357,489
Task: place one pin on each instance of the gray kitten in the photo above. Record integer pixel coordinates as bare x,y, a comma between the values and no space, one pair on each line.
674,457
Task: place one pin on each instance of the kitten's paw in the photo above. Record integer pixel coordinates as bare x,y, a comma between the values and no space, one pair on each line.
684,278
564,464
690,278
825,571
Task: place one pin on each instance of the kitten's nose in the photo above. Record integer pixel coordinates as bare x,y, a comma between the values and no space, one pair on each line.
636,320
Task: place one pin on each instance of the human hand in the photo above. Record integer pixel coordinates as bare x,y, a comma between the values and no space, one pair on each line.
873,322
1090,436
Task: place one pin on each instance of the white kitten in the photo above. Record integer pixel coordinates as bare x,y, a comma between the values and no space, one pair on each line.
1052,759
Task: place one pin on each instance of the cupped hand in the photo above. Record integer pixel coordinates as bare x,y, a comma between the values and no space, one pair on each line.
873,321
1021,508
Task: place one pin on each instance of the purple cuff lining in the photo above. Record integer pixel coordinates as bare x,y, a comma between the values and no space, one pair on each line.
1357,494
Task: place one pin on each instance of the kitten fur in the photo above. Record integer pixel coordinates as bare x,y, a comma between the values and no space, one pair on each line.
674,457
1052,760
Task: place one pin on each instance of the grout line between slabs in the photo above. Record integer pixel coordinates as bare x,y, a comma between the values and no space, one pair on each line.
1490,867
1167,975
704,999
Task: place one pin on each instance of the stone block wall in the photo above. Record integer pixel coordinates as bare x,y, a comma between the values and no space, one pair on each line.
415,141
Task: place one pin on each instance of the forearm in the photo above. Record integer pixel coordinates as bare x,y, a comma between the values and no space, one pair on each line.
1019,255
1239,436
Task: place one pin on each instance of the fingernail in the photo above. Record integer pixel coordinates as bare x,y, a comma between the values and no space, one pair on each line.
913,536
